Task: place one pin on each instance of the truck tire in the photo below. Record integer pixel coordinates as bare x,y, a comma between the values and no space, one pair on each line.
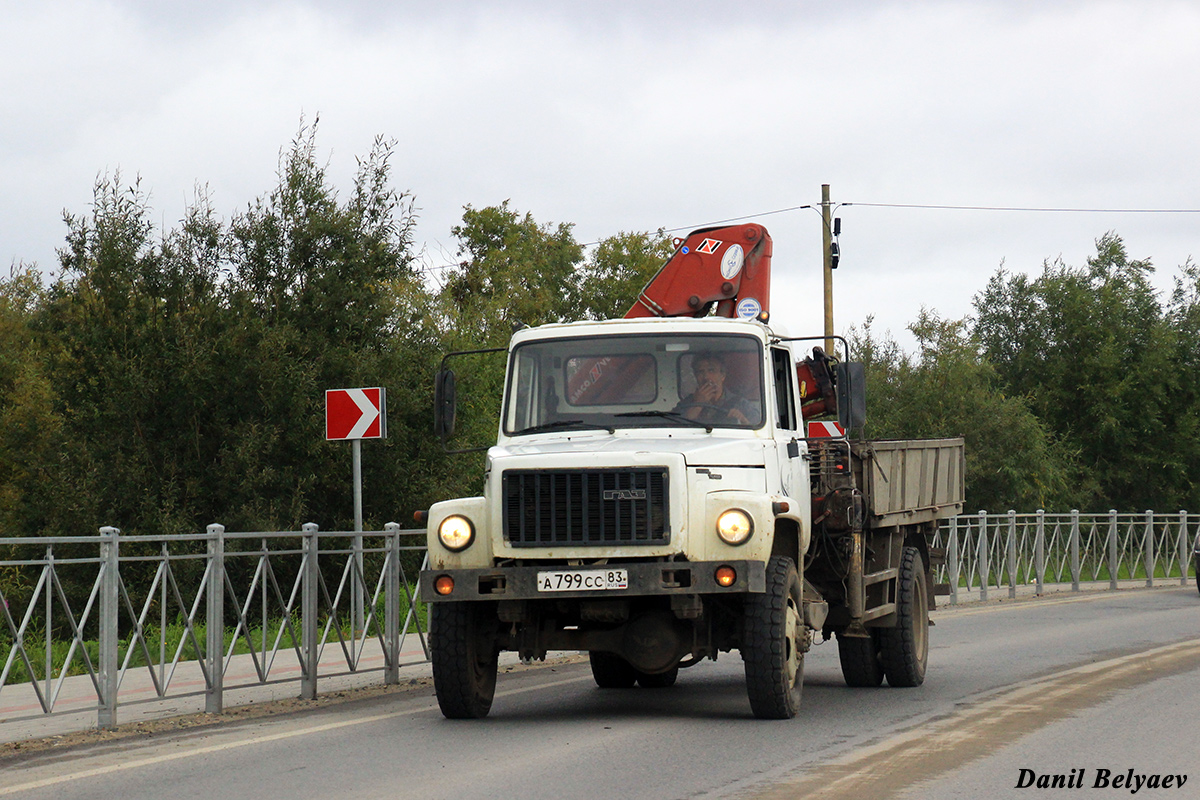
772,636
610,671
859,655
659,680
904,649
462,647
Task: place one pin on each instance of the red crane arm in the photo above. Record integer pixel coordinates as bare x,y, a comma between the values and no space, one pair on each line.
728,266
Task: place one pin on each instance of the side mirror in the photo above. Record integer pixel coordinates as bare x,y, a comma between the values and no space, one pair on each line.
851,395
445,404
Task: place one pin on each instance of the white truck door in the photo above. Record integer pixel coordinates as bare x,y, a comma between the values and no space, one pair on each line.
787,423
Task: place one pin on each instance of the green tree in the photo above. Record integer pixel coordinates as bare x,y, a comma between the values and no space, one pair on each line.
187,369
31,424
609,282
324,292
514,272
1183,415
947,390
1094,351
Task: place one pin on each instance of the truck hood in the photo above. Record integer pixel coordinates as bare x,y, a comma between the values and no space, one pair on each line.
698,449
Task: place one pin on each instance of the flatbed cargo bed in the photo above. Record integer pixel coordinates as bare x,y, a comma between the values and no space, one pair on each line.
909,481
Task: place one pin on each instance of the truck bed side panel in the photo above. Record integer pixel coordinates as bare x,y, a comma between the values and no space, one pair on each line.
906,482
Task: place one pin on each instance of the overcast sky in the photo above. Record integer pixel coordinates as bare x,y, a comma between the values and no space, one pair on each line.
620,116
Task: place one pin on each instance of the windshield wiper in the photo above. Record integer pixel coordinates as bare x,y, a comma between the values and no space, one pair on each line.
565,423
672,415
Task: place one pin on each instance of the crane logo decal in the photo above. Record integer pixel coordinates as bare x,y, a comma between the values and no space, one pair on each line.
731,262
748,308
709,246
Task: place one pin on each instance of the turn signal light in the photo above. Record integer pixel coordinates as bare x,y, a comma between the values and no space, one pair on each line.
444,584
726,576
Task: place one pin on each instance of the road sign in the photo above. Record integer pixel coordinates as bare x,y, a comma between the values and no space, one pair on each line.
820,430
356,413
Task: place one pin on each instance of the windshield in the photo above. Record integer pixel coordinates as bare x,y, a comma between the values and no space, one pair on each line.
635,381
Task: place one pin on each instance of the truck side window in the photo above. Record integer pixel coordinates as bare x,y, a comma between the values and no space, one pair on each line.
785,406
523,408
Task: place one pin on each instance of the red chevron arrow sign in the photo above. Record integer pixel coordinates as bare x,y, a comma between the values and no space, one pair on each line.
355,413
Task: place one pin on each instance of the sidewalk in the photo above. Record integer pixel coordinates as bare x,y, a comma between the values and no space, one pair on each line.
1029,591
75,708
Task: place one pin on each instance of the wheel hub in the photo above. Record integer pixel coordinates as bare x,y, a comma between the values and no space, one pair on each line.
792,642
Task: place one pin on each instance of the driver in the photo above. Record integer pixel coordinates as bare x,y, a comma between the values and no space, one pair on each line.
712,401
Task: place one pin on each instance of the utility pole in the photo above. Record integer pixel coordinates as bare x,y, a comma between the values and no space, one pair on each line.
827,253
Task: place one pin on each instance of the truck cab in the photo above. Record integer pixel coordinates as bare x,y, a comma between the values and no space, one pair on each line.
604,453
630,504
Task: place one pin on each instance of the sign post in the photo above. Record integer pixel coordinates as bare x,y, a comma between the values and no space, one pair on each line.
356,414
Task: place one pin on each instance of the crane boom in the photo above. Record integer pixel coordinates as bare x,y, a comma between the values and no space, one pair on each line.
727,267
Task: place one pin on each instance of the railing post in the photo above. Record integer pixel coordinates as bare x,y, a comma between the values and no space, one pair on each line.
1012,554
1039,555
1148,546
110,639
1183,553
1074,549
214,700
391,637
1114,564
310,591
953,565
49,654
981,556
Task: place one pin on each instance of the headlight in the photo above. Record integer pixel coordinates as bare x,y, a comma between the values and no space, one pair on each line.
734,526
456,533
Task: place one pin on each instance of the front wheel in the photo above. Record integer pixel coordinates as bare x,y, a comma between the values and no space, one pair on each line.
904,649
462,647
773,643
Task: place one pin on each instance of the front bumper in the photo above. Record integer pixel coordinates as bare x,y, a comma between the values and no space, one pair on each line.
659,578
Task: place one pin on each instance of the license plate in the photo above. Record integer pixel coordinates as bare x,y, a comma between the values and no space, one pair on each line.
582,580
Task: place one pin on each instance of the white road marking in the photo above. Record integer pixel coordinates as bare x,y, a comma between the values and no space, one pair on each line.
108,769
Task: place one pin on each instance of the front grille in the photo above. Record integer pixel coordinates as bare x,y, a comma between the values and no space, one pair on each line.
594,507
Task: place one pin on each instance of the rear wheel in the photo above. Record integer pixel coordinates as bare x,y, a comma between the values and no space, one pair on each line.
859,655
773,643
462,647
610,671
904,649
659,680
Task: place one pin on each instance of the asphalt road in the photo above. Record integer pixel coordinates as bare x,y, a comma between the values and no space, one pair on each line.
1098,681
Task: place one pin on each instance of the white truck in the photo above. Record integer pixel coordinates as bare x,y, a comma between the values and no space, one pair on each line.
654,499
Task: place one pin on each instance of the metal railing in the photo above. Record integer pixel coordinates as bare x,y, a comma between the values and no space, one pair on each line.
108,601
111,600
1003,551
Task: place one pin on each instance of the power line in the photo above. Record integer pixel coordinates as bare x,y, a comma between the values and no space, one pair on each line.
670,230
924,206
735,219
1034,209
